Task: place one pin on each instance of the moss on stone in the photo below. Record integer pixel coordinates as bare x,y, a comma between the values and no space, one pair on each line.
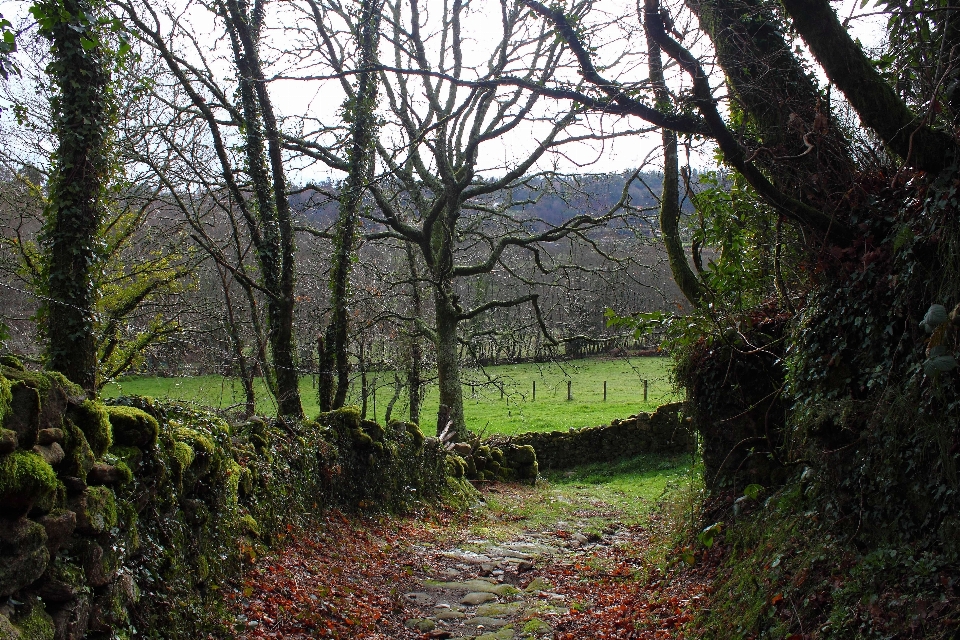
25,480
345,418
373,429
80,458
360,439
33,622
5,398
91,417
12,362
96,510
130,456
132,426
414,430
249,525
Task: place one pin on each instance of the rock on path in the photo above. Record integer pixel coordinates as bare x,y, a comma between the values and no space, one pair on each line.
492,591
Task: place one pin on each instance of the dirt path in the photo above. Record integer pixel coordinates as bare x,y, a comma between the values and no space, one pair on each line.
572,558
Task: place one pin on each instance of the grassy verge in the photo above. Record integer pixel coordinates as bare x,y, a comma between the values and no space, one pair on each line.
486,412
587,499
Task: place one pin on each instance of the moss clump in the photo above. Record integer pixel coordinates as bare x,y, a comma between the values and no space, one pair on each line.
456,466
96,510
133,427
414,430
80,458
130,456
34,623
373,429
249,526
181,457
360,439
12,362
346,418
91,417
25,479
5,398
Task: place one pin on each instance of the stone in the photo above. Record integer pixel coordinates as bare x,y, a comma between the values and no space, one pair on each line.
96,510
418,597
462,449
507,633
73,485
7,630
8,441
450,614
421,624
133,427
49,436
59,526
53,590
537,627
24,554
524,565
487,622
72,619
104,474
52,454
100,566
497,609
24,416
477,597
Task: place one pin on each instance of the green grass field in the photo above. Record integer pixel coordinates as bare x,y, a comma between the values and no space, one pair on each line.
485,411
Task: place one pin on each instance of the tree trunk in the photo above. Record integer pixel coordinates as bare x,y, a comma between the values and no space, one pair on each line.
688,282
415,356
780,98
448,361
82,117
874,100
236,343
274,242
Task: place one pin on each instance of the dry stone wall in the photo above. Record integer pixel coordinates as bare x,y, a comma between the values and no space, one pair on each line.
664,431
124,521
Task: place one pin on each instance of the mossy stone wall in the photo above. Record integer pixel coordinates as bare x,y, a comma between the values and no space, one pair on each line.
664,431
125,521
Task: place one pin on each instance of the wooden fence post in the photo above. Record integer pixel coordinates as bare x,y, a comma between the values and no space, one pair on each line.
645,390
569,393
604,390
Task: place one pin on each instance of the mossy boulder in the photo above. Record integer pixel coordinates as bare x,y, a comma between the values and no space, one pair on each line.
341,419
23,554
132,427
26,480
92,419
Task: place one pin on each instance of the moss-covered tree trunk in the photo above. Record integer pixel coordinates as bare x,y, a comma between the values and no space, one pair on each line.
874,100
273,239
448,360
82,114
362,131
687,281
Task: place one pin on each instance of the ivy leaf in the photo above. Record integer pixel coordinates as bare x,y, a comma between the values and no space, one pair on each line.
87,43
939,364
753,491
936,315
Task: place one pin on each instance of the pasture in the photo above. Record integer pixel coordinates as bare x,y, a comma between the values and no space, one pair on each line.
485,410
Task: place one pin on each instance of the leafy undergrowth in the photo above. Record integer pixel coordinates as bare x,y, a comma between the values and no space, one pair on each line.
789,574
617,534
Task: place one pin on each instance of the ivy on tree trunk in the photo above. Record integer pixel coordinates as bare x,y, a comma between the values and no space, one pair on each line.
82,113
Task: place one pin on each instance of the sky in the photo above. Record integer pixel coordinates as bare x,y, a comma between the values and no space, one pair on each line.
616,38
